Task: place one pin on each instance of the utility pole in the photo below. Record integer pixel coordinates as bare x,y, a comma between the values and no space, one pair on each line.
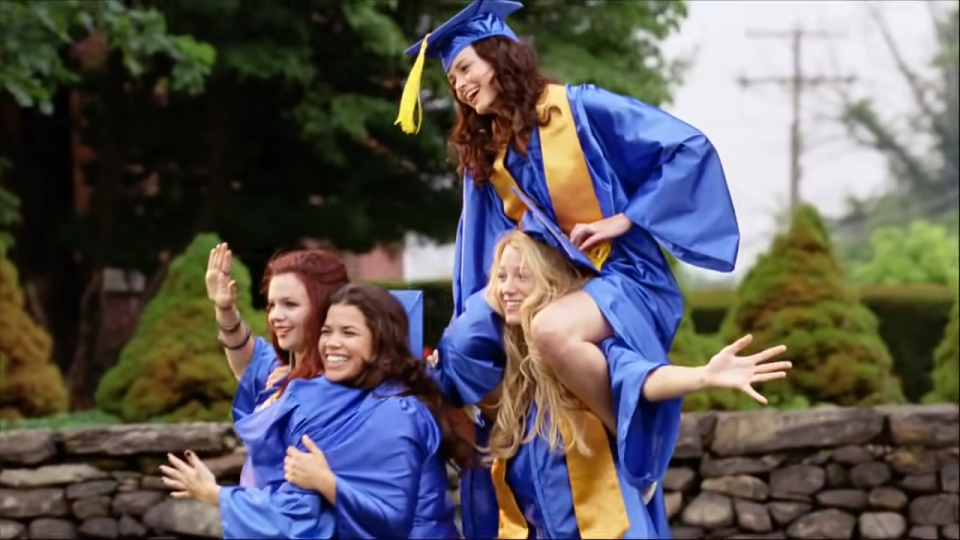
797,84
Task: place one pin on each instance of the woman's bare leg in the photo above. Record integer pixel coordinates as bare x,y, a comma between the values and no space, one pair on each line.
566,333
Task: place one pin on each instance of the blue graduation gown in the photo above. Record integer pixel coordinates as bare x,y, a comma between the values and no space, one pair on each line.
379,447
660,172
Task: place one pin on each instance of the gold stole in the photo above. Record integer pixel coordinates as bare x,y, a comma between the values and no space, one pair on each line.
594,487
565,169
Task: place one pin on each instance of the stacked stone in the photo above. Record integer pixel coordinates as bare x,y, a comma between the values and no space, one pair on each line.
871,474
881,474
105,483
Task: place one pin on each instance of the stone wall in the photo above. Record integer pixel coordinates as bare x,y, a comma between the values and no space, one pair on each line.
884,473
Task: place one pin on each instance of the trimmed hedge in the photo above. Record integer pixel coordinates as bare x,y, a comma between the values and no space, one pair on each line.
913,319
796,295
173,369
31,385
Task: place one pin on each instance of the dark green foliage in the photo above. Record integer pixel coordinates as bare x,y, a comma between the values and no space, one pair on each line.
946,363
174,369
30,384
796,295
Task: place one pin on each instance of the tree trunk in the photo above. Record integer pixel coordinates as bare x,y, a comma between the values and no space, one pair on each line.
84,373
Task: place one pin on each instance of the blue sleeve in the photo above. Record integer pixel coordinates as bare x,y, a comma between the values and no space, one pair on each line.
288,512
254,378
646,431
471,353
379,500
455,280
672,176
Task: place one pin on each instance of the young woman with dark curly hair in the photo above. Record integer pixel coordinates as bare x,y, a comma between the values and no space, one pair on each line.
352,445
618,177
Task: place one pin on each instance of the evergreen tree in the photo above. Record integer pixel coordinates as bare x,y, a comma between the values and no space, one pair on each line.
946,363
173,369
31,385
796,295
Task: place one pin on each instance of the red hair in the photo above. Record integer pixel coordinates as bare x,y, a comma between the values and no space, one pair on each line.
322,274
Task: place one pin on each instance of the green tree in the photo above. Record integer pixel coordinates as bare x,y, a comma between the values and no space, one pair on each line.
946,363
290,138
922,149
923,253
111,51
796,295
30,383
173,369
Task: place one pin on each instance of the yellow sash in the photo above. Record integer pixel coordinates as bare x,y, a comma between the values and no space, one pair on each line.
594,487
568,180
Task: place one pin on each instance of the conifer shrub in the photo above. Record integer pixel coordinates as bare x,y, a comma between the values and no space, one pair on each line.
174,369
946,363
31,385
796,295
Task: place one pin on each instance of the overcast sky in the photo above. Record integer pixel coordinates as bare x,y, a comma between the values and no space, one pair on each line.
750,127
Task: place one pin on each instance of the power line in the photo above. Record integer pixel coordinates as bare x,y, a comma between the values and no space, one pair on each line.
797,84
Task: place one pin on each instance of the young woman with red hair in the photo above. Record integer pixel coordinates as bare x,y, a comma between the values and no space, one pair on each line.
273,419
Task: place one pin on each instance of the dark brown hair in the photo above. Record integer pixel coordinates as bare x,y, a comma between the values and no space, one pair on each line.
322,274
476,139
393,361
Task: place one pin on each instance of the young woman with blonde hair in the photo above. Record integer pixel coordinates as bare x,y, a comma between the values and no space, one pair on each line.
556,471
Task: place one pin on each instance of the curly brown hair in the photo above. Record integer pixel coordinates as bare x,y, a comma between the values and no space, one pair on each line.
477,139
393,361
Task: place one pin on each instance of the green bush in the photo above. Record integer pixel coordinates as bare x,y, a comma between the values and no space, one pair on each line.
31,385
912,321
173,369
796,295
924,253
946,363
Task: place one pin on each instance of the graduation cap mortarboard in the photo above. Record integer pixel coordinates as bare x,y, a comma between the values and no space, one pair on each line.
480,20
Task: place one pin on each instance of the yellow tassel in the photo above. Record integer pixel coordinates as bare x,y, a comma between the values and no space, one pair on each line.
411,110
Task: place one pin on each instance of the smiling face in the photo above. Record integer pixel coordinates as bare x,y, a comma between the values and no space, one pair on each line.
346,343
288,307
514,284
471,78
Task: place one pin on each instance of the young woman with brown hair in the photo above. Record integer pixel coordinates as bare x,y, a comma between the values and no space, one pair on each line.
618,177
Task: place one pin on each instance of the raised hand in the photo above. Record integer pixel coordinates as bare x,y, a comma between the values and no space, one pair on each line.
221,289
727,370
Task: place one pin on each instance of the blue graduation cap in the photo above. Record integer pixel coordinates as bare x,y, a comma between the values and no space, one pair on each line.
413,303
480,20
541,228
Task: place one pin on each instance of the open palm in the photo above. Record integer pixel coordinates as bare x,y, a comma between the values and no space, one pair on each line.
727,370
221,289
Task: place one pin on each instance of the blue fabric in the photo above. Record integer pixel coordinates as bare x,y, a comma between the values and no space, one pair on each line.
355,429
660,172
479,20
434,517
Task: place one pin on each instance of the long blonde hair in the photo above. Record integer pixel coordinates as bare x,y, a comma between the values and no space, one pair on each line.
527,380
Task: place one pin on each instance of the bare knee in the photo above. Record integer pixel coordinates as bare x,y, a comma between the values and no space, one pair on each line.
552,335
